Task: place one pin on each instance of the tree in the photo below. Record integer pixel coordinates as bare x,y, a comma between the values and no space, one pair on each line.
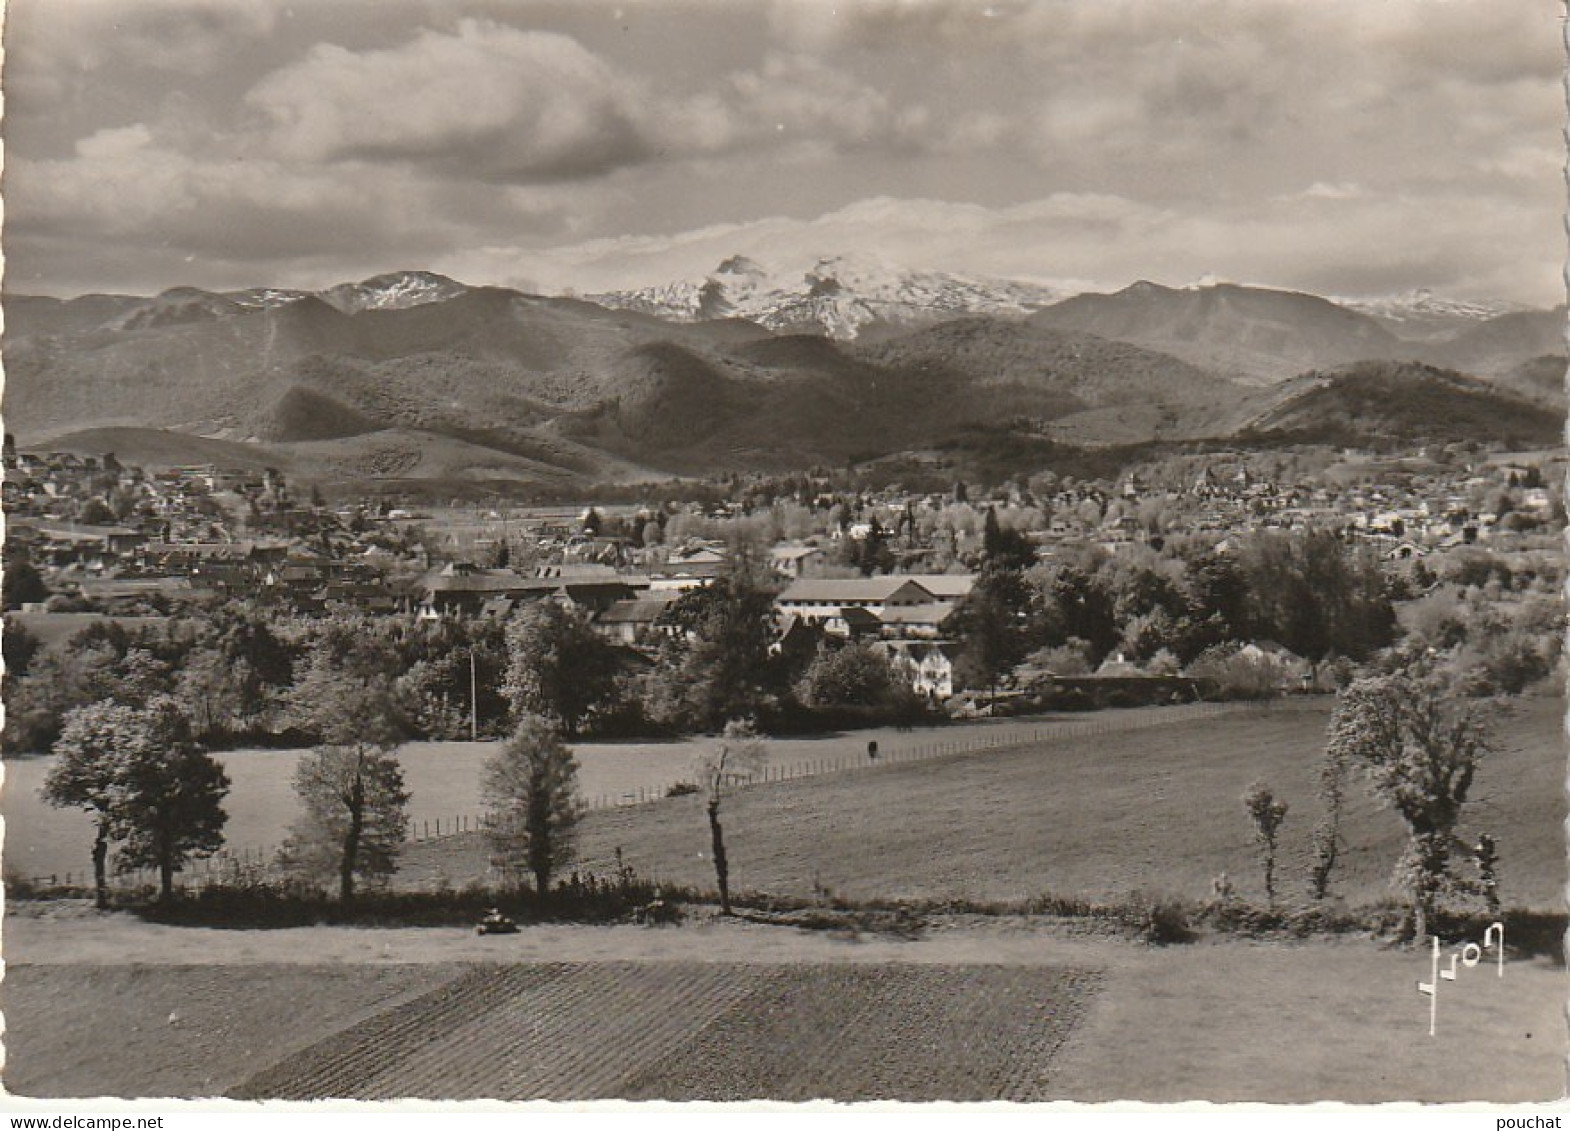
736,757
1327,833
93,744
854,675
18,646
355,814
1312,594
1267,813
726,671
23,584
531,791
558,666
169,792
351,785
1420,746
96,512
1005,548
59,680
989,625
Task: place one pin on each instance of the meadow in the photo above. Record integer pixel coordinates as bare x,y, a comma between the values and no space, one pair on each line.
444,781
1157,810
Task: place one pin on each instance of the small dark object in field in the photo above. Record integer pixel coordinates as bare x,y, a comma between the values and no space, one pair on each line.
495,923
872,751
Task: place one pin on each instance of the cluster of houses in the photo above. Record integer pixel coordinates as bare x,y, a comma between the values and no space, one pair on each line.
196,532
904,616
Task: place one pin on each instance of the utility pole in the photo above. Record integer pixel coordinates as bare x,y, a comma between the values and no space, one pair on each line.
474,701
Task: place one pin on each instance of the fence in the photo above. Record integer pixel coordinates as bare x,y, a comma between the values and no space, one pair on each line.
254,864
247,865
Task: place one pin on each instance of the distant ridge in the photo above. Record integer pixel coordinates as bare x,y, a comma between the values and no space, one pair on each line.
413,376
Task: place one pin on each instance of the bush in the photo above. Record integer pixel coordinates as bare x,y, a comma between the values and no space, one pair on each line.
292,903
1235,676
1159,919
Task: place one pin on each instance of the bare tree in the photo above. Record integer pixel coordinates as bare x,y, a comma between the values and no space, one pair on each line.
736,758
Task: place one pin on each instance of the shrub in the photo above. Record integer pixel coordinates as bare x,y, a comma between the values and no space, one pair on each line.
1159,919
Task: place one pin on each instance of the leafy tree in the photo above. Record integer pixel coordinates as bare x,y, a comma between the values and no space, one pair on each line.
1316,596
1005,548
531,790
23,584
1073,602
1070,658
853,675
92,746
206,691
1328,840
735,758
168,806
345,691
351,786
58,681
558,666
1267,812
1235,675
19,646
355,814
1420,747
989,624
96,512
726,671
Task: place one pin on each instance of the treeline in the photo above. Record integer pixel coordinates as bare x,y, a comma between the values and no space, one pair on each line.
1189,606
1166,609
245,675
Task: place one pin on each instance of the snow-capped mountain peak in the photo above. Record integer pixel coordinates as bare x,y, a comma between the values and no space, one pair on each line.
838,295
398,290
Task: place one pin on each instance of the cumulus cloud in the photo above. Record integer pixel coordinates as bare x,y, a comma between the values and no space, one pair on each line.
1268,140
488,100
124,188
76,41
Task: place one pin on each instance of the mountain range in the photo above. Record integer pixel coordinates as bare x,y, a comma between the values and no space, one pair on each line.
418,380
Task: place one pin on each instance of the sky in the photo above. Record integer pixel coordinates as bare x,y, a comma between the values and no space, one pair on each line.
1343,147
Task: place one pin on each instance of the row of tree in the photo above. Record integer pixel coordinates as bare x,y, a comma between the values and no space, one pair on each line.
1419,748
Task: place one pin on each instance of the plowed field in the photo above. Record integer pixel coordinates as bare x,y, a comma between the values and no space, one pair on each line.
701,1031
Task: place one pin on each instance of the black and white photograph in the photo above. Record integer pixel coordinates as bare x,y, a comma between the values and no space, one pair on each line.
896,551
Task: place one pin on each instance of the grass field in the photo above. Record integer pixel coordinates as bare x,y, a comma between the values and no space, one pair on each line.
1158,810
443,779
